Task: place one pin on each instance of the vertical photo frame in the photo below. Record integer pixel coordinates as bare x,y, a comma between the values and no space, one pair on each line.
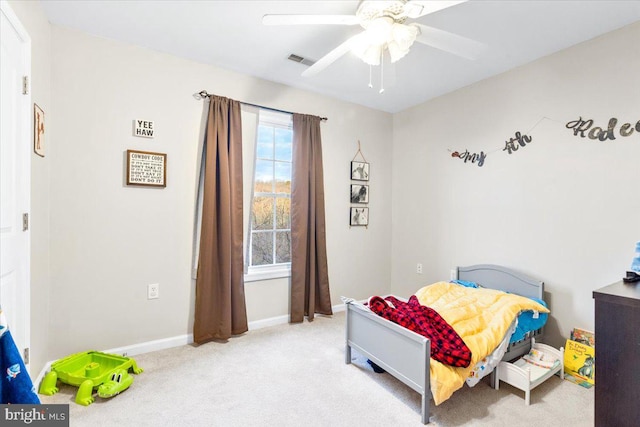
359,217
359,193
38,130
359,171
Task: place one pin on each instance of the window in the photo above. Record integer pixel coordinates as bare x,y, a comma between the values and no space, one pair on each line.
269,245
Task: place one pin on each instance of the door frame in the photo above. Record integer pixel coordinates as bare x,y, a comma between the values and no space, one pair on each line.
24,162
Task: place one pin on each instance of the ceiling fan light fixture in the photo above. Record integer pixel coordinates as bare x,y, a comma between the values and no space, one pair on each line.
404,35
379,30
383,33
368,53
395,52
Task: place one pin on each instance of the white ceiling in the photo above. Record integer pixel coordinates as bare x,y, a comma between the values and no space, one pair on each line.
230,34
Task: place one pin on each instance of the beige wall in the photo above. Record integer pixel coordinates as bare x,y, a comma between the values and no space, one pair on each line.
35,22
563,209
108,241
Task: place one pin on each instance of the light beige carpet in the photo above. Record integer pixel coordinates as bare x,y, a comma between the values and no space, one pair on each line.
295,375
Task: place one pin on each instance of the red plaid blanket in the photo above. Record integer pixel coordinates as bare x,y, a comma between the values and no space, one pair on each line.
446,345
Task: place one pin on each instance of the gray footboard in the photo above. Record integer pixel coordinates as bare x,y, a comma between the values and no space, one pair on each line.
399,351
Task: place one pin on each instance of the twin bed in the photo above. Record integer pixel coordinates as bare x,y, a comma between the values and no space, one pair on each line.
406,354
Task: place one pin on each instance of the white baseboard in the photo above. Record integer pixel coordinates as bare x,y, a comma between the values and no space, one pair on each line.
265,323
338,308
281,320
40,377
177,341
149,346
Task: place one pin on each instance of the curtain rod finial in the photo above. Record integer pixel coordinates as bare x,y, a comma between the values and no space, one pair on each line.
200,95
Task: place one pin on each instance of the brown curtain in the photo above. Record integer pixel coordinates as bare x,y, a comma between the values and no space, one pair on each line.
220,309
309,270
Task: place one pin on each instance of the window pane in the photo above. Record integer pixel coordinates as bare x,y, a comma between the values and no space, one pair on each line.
283,213
264,148
283,246
283,140
262,213
262,248
264,176
283,177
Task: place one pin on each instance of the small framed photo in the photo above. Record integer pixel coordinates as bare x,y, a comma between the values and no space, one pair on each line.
359,216
360,171
38,130
359,193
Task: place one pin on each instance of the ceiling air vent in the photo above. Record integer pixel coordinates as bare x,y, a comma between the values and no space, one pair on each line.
297,58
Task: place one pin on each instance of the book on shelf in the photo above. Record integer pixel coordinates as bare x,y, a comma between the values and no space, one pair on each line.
583,336
580,363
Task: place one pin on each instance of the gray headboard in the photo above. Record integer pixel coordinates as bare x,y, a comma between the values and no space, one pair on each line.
502,278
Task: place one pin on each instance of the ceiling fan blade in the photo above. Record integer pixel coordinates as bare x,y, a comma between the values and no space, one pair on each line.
417,8
449,42
310,20
332,56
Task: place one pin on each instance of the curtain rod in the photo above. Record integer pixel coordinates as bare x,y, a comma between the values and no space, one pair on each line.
204,94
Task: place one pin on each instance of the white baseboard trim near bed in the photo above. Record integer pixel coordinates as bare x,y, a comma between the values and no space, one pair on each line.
265,323
281,320
177,341
155,345
338,308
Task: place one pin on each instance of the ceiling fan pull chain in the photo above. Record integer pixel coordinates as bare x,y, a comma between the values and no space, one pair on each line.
370,74
381,73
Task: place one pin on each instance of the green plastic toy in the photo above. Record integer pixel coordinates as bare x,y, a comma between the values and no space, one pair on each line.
88,370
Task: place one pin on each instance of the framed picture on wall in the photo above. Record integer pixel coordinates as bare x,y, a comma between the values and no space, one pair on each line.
146,168
38,130
359,193
359,216
360,171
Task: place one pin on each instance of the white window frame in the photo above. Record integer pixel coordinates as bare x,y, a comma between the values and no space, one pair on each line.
271,271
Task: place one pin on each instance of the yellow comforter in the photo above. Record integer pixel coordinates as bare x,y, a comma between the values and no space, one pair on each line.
480,316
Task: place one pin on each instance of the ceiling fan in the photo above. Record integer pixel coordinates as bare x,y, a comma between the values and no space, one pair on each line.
385,28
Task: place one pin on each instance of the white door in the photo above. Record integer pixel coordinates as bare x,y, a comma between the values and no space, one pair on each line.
15,169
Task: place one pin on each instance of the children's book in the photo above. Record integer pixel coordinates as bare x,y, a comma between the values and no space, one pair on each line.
583,336
579,363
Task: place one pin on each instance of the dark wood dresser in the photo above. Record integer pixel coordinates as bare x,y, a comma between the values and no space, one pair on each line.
617,389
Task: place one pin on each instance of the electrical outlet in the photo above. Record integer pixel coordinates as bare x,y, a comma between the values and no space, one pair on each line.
453,275
419,268
153,291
